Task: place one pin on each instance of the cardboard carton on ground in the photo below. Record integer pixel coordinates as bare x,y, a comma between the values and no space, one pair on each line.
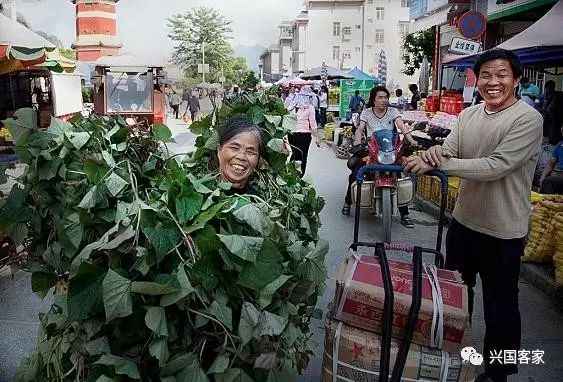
358,352
360,296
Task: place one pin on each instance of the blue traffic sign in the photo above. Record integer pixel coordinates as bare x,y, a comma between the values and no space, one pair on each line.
472,24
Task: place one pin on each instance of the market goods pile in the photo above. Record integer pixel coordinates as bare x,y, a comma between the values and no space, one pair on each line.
545,241
158,274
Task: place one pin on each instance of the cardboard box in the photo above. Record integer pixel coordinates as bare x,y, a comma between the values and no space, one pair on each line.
359,351
360,296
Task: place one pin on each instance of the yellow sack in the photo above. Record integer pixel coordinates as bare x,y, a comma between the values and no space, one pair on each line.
558,255
541,239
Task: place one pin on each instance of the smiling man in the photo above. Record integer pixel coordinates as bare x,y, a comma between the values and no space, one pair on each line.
494,150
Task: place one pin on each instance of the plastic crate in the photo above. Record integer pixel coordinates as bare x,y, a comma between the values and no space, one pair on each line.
423,184
453,192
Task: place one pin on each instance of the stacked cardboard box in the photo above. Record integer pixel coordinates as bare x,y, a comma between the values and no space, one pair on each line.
353,330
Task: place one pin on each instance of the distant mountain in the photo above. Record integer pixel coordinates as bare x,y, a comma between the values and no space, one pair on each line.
251,54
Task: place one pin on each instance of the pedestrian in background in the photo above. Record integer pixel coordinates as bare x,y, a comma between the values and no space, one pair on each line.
528,92
415,96
185,101
494,150
316,101
194,106
357,102
300,138
323,105
175,101
401,101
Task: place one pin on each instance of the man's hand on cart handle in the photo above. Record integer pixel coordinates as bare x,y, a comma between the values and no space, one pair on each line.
434,155
417,165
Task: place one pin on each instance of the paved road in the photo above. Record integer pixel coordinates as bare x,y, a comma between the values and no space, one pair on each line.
541,321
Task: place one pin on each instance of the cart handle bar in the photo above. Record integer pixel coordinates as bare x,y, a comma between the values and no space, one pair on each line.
397,168
406,248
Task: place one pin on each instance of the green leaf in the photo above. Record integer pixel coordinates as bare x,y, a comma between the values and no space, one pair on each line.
117,296
159,349
188,204
220,364
73,230
291,334
203,218
185,288
223,313
152,288
233,375
120,365
48,169
78,140
89,200
42,281
248,320
245,247
155,319
266,293
175,365
16,231
192,372
58,128
266,268
98,346
142,262
162,233
273,119
115,183
213,141
22,125
289,122
270,324
85,296
28,369
162,132
103,378
276,144
108,158
255,218
267,361
94,170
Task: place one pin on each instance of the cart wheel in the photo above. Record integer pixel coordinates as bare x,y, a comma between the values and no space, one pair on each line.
387,214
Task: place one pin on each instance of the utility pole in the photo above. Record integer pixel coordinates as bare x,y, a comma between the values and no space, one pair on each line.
363,33
203,59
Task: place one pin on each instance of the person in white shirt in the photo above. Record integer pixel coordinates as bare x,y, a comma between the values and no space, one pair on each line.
323,105
288,103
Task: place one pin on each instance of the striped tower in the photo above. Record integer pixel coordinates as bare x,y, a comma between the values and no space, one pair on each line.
96,29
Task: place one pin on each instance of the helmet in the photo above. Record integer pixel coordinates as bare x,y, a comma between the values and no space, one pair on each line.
342,152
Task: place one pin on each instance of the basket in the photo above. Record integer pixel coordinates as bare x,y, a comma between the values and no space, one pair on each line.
423,186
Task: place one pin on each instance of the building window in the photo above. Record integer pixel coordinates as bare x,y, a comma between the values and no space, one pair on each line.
347,30
379,13
370,1
335,52
369,46
404,27
347,54
358,27
379,36
370,21
357,49
336,29
404,3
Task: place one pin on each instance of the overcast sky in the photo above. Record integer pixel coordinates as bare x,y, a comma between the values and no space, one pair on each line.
141,24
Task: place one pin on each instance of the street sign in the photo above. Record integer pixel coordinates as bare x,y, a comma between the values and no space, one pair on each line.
463,46
222,79
201,68
472,24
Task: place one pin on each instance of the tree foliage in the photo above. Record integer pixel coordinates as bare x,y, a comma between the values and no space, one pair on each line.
68,53
159,273
198,27
416,46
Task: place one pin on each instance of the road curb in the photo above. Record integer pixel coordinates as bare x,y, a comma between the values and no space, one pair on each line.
537,275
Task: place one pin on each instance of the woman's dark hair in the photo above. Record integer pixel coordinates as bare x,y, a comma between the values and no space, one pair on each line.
238,125
373,94
325,89
399,92
495,54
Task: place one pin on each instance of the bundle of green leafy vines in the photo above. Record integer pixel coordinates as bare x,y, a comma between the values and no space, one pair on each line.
157,273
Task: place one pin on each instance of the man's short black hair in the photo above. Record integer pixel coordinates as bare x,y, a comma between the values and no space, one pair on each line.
524,80
495,54
399,92
413,88
357,92
373,94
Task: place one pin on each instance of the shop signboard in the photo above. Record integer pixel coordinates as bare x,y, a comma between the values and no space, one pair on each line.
348,88
464,46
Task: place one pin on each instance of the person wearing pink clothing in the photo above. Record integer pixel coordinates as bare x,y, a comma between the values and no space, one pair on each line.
300,139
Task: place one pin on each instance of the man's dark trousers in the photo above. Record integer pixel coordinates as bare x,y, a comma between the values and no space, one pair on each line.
497,261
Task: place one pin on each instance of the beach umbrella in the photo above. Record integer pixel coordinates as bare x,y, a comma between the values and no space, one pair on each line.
382,68
424,76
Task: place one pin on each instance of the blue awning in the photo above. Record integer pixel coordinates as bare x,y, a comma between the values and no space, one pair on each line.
359,75
537,57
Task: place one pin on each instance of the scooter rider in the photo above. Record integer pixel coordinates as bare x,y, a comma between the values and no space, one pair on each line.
377,116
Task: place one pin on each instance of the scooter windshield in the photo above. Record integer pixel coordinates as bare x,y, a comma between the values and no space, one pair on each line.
384,139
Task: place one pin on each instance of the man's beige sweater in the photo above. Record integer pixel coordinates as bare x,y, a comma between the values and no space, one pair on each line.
495,156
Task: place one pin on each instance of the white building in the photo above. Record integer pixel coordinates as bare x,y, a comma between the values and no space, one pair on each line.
346,34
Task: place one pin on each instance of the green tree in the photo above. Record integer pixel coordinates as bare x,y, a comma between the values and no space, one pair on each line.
193,30
416,46
250,81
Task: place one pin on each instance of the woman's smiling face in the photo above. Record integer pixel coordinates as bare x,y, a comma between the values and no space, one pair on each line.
238,158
